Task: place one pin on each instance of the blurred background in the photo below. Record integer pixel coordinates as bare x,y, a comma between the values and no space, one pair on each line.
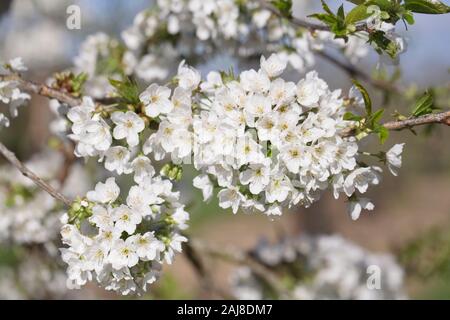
411,219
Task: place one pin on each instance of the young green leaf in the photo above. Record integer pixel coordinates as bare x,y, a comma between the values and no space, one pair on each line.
78,82
384,5
383,134
427,6
341,14
376,117
339,28
352,117
424,105
326,8
358,13
284,6
127,90
358,2
325,18
408,17
366,97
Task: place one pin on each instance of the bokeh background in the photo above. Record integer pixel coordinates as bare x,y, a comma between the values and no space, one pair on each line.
412,214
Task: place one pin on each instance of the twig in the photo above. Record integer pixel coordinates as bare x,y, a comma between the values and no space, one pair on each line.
442,117
42,90
434,118
11,157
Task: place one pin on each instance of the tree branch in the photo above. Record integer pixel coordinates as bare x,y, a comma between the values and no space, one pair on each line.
442,117
434,118
42,90
11,157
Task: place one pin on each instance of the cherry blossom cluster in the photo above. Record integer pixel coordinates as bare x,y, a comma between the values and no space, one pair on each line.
10,94
264,142
155,42
245,26
321,267
122,246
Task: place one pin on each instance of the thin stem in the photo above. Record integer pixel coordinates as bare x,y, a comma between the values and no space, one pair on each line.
11,157
442,117
434,118
42,90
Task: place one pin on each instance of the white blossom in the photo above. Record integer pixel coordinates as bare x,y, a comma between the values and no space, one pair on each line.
273,66
128,126
394,158
355,207
125,245
156,100
117,159
104,192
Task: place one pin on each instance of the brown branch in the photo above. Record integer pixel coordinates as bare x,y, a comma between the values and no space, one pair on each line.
42,90
442,118
11,157
434,118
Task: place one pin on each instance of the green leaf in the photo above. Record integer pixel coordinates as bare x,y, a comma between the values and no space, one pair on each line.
424,105
408,17
348,116
358,13
78,82
376,116
358,2
325,18
338,26
127,90
383,134
284,6
328,18
341,13
426,6
385,5
326,8
366,97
